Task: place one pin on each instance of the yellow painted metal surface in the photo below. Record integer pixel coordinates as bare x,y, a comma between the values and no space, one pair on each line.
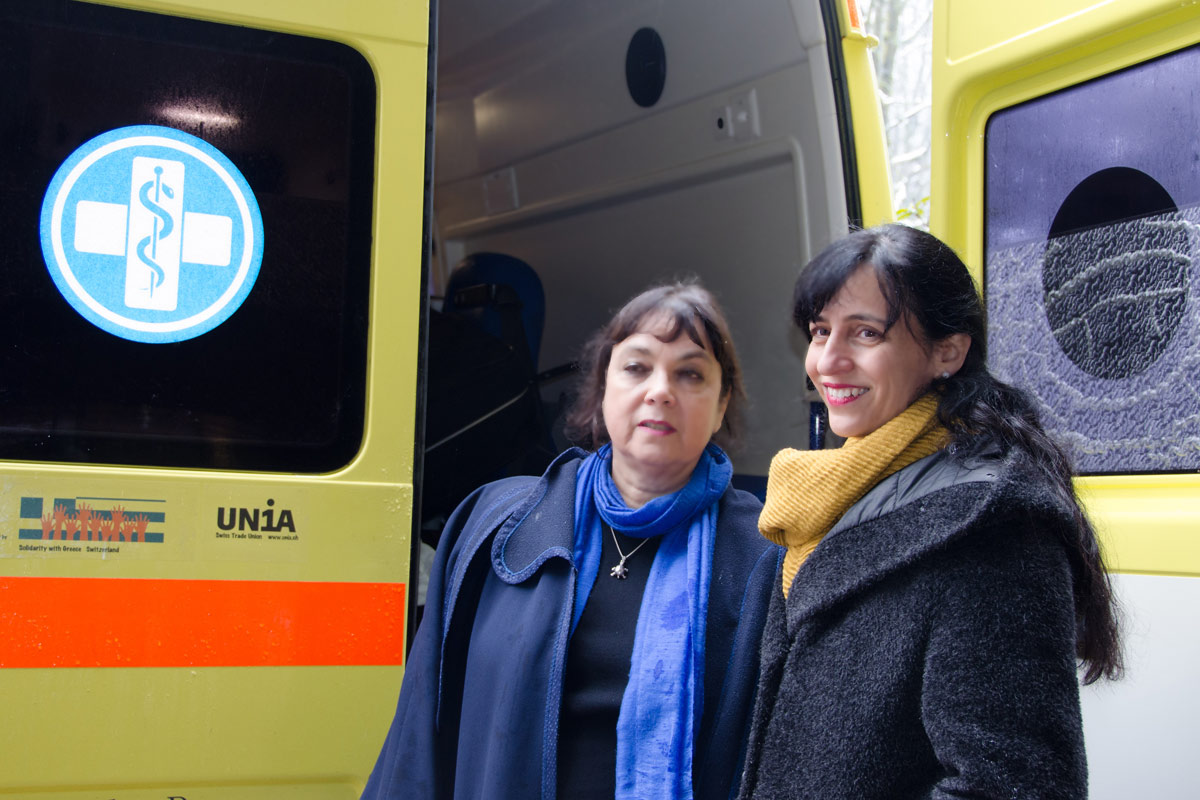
870,142
353,21
866,117
232,732
260,731
1002,69
991,56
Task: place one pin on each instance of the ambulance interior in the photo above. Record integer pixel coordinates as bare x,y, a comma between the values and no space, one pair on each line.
609,147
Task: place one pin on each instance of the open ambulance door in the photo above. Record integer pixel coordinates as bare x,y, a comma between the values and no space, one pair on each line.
210,296
1066,171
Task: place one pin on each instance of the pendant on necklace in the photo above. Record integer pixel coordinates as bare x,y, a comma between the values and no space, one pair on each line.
620,572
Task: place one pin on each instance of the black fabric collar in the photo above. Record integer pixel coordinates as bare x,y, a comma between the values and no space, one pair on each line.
916,515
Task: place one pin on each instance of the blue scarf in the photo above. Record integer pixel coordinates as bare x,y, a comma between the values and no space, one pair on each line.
661,708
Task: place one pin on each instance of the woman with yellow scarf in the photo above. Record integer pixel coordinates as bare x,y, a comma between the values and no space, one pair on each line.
941,584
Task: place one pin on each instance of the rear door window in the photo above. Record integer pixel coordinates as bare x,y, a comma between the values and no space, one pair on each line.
279,384
1093,208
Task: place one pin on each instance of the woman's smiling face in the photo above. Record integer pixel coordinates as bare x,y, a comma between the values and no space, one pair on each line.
866,372
662,404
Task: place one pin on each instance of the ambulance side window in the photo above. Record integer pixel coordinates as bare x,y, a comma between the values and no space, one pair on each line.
1093,214
279,384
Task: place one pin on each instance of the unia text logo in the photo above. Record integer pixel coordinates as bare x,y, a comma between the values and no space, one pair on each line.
254,523
92,519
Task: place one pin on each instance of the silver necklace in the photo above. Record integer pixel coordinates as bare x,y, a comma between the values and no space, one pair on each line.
620,571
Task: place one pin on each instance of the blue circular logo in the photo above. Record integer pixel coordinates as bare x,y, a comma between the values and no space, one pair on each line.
151,234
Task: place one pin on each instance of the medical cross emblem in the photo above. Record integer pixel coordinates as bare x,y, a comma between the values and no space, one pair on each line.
151,234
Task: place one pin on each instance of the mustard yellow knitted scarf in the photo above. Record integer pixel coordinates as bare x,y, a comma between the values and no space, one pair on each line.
809,490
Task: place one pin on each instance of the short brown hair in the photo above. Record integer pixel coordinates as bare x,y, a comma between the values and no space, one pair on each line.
688,308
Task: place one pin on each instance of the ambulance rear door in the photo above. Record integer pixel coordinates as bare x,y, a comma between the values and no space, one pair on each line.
1066,171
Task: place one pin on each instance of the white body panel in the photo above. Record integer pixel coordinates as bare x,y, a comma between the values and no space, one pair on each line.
1141,732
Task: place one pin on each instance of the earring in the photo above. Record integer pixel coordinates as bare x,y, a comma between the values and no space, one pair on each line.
945,376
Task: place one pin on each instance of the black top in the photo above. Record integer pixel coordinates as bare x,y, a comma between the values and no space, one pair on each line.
597,670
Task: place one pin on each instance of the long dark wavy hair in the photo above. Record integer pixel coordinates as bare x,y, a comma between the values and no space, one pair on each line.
928,288
688,309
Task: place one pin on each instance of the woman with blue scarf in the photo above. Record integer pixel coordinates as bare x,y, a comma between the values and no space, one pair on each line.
593,633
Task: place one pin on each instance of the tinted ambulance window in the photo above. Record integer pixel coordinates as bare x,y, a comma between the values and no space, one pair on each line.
249,119
1093,214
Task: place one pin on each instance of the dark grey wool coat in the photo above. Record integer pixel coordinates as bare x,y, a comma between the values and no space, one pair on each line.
926,648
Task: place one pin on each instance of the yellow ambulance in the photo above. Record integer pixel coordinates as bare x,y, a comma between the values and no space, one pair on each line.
227,229
233,406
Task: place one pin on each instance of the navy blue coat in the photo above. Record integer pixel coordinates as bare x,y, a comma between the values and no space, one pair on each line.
479,706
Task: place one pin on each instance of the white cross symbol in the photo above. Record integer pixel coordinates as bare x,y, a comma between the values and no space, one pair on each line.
153,244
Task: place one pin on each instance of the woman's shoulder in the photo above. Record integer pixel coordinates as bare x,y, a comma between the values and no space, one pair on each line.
513,489
739,501
1025,484
738,513
1017,510
945,498
494,502
909,487
999,482
1003,539
737,530
996,517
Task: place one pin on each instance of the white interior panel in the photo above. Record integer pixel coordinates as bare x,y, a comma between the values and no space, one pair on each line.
592,262
542,155
651,148
557,73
